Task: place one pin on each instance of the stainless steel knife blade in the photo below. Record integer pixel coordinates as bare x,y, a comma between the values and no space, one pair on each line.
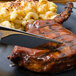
21,38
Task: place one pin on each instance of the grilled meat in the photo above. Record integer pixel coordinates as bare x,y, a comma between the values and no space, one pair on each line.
48,59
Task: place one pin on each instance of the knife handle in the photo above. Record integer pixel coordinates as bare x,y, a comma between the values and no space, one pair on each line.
4,32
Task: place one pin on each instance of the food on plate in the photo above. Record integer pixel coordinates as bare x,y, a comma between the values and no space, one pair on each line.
51,59
17,14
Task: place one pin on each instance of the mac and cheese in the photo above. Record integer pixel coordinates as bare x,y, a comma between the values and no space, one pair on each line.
17,14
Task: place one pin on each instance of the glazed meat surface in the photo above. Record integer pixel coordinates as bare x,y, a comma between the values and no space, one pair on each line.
48,59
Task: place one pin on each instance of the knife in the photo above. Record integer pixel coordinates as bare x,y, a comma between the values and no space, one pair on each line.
22,38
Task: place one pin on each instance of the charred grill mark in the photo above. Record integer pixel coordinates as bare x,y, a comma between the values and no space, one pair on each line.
51,27
69,42
51,35
72,45
56,31
67,38
45,30
62,37
47,23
